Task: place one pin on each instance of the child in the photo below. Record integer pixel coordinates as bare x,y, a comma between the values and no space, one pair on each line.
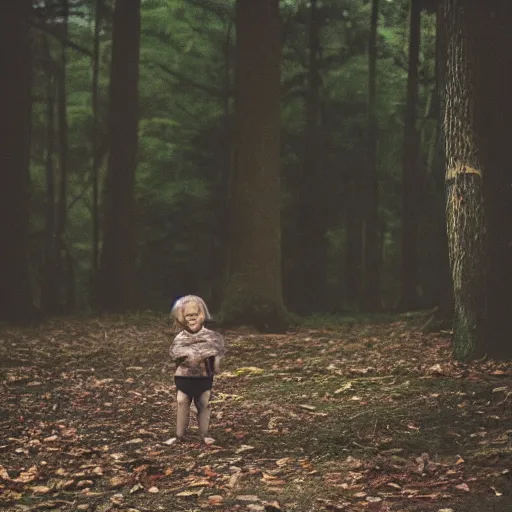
197,352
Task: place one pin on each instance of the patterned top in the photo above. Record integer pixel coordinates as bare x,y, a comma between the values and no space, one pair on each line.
192,352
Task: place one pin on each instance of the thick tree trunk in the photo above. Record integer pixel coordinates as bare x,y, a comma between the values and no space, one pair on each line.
371,252
311,248
62,197
354,251
49,287
118,288
478,113
220,235
15,116
254,290
95,145
410,171
443,289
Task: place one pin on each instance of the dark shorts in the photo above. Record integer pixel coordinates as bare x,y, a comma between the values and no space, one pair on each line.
193,387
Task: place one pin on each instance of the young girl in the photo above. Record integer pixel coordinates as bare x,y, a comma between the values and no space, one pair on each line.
197,352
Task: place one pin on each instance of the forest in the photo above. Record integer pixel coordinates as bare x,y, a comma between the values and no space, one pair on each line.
312,164
332,177
154,161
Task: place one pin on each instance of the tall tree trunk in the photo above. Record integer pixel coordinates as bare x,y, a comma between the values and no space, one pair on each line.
95,146
49,288
354,255
410,170
478,114
119,248
371,252
220,236
443,316
15,108
62,206
254,293
311,247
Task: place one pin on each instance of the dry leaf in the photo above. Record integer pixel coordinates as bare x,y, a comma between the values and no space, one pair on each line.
4,474
244,448
40,489
215,500
185,494
247,497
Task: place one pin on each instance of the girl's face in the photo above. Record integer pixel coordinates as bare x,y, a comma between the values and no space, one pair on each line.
192,315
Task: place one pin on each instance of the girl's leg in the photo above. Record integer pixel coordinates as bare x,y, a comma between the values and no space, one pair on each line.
183,414
202,403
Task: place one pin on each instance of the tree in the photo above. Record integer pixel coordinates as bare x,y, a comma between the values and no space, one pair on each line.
311,247
410,169
49,285
477,124
15,108
96,157
118,289
371,252
254,290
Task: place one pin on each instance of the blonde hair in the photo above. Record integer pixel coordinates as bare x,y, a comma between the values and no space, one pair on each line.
177,311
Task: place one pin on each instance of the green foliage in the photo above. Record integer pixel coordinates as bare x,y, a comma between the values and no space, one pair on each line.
185,136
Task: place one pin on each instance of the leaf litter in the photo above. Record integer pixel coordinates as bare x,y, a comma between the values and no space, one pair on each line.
301,422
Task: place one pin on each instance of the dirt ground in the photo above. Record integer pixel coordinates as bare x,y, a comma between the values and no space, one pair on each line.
340,417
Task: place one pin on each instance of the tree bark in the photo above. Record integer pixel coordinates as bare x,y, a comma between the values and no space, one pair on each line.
15,115
354,253
371,252
254,294
311,247
95,145
477,121
118,288
410,170
49,288
55,299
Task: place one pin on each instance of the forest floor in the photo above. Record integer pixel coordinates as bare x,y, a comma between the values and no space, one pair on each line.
335,417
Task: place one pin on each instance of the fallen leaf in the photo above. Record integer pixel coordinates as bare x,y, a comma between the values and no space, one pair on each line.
136,487
244,448
255,507
40,489
200,483
4,474
462,487
249,370
154,489
497,493
117,481
247,497
27,476
185,494
138,440
345,387
215,500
